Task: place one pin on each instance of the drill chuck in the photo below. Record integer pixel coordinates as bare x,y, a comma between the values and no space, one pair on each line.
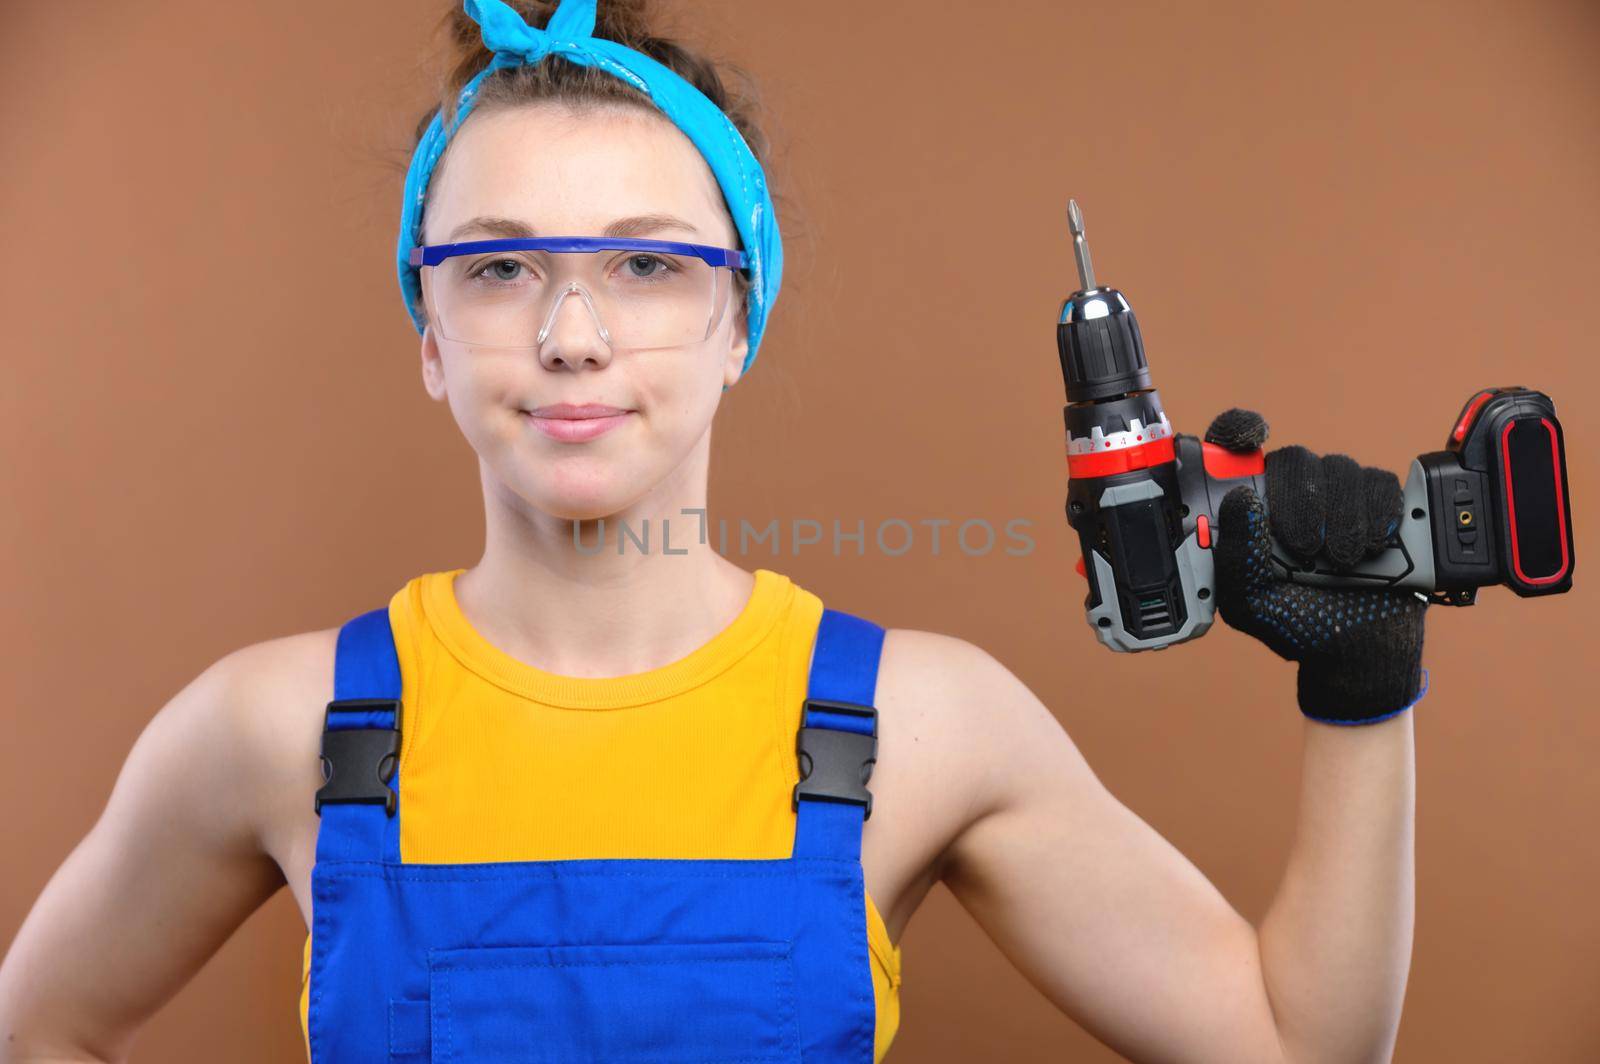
1102,354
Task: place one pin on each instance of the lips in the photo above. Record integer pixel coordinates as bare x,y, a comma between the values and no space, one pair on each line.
571,423
578,412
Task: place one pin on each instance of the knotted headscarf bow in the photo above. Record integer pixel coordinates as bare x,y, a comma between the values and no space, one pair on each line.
569,33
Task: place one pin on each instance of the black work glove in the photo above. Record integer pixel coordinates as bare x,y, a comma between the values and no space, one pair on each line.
1359,649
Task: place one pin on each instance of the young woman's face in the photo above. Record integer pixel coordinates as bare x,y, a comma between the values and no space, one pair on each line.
569,174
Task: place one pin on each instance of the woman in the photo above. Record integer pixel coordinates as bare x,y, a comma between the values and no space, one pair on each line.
612,855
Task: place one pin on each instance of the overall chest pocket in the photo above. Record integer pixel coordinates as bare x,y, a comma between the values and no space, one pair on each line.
615,1003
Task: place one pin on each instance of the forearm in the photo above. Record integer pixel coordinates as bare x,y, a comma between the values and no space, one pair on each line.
27,1036
19,1047
1336,940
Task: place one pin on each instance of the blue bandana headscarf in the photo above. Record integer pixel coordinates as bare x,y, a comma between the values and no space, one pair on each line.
569,34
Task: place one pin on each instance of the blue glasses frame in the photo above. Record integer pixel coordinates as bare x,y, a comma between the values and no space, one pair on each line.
433,254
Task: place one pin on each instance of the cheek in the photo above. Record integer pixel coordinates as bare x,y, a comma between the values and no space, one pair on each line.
682,400
483,394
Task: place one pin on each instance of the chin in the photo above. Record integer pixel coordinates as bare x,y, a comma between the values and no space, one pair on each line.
587,501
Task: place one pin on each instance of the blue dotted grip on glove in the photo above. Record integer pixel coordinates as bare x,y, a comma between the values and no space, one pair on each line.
1359,649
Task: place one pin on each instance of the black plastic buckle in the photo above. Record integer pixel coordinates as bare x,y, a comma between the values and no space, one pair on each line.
835,765
358,763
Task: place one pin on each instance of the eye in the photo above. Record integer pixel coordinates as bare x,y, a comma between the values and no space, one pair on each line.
503,270
646,267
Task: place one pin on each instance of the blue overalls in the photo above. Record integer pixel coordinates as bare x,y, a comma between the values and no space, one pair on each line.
624,961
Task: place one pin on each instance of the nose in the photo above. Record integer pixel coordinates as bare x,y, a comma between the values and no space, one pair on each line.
574,338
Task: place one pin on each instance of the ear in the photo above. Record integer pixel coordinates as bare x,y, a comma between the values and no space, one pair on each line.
738,351
432,366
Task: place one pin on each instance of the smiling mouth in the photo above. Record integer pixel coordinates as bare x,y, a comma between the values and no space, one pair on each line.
576,412
576,428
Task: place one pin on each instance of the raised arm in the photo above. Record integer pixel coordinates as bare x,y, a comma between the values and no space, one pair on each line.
173,866
1124,934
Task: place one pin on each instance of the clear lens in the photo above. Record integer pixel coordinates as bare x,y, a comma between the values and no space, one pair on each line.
642,299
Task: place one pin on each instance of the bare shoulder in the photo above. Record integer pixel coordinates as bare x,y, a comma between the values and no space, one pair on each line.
931,683
957,730
277,691
954,692
278,679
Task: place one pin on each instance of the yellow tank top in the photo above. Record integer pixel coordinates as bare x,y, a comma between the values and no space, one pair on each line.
501,761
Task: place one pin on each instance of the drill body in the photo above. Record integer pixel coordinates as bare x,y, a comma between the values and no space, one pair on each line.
1490,508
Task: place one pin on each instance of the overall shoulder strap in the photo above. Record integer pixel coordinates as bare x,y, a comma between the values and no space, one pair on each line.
360,802
838,738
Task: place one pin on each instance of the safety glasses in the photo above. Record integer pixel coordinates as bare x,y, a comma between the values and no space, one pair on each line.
641,294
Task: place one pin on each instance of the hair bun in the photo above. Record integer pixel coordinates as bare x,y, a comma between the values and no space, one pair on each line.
625,21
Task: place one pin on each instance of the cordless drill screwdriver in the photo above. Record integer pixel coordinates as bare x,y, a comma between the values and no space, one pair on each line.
1491,508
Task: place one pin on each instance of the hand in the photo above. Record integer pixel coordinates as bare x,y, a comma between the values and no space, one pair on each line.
1359,649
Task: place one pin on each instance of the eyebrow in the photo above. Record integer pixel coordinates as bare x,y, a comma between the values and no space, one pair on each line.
631,226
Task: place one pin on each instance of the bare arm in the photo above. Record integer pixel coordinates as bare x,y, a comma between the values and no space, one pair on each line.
1336,940
170,870
1124,934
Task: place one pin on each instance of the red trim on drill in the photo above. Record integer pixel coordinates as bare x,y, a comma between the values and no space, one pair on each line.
1202,530
1080,568
1511,506
1121,460
1469,413
1223,464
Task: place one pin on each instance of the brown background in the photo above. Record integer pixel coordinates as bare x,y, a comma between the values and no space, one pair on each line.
1348,217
